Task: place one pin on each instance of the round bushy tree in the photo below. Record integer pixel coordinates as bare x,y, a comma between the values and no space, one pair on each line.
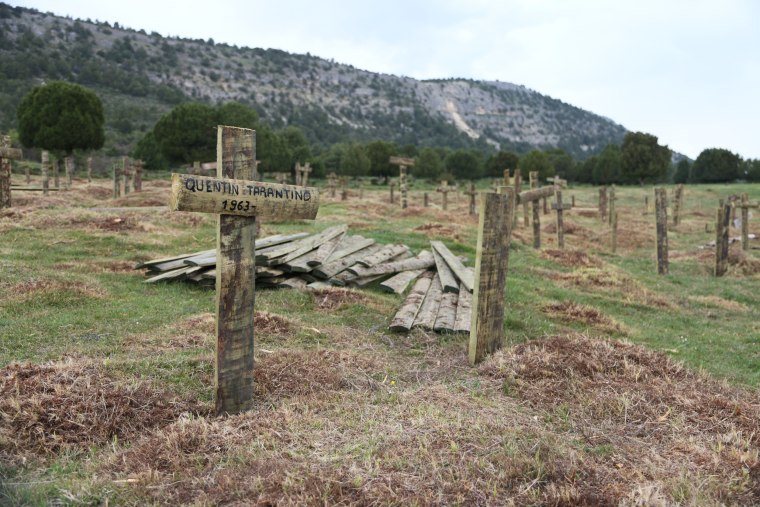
715,165
61,117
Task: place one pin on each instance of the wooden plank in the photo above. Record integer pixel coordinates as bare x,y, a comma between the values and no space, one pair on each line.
399,282
464,311
463,274
356,245
325,250
395,267
315,241
494,232
364,281
174,274
236,275
406,314
448,280
386,253
319,285
447,313
429,310
535,194
333,268
163,260
243,197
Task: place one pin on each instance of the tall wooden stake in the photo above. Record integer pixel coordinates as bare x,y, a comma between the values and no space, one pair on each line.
603,203
6,155
45,159
722,225
89,169
491,263
536,214
68,163
677,204
560,207
661,217
614,231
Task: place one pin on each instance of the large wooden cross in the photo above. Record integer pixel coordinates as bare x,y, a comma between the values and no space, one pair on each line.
238,201
332,183
6,155
745,206
560,207
305,170
403,163
472,193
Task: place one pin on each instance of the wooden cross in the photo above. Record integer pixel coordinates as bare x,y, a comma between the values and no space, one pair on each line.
560,207
472,193
332,183
745,207
6,155
298,173
305,170
661,226
403,163
722,225
238,201
506,178
533,175
343,191
444,189
137,180
127,172
68,164
612,201
557,181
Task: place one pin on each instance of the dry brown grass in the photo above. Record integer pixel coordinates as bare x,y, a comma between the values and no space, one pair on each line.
655,421
33,288
574,312
47,408
330,299
571,258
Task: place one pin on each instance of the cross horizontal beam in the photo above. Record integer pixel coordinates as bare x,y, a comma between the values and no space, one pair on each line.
222,196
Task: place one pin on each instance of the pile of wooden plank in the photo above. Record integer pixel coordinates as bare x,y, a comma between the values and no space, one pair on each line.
439,300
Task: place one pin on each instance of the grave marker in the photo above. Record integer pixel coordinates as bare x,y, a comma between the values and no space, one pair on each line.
722,224
391,186
745,206
444,189
116,181
661,219
506,178
533,175
305,171
472,193
560,207
6,155
678,204
603,203
138,170
126,171
611,202
45,168
403,164
425,202
332,183
614,232
68,163
89,169
54,165
343,190
298,173
491,262
237,200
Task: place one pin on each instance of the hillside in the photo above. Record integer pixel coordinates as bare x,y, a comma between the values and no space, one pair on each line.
141,76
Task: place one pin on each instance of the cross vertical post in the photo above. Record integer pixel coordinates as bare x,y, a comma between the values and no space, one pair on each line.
722,224
68,163
560,207
89,169
126,171
137,178
472,193
536,215
6,155
603,203
116,181
45,169
305,170
444,189
661,218
677,204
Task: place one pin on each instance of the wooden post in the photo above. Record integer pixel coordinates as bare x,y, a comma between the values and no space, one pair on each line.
745,221
55,165
661,217
536,215
332,183
237,200
298,173
45,159
116,181
506,178
646,204
611,201
425,200
603,203
138,168
89,169
677,203
560,207
491,263
614,232
572,200
343,190
403,163
68,163
392,185
722,226
126,171
526,212
472,193
444,189
6,155
27,175
305,170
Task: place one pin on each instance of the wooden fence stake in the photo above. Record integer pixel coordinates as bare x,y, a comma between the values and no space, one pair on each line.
677,204
116,181
137,178
45,159
491,262
536,215
6,155
614,232
722,223
661,217
68,163
603,203
560,207
611,200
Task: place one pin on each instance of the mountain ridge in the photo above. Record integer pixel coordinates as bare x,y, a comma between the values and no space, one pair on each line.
141,76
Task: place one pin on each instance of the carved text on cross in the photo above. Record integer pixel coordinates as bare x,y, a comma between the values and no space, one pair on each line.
237,199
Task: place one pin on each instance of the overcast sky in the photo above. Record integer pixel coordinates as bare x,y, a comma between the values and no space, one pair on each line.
687,71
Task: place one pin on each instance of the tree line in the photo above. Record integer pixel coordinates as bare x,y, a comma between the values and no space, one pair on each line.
62,117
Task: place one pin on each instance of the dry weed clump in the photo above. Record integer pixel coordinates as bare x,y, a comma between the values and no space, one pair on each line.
330,299
742,264
439,230
269,323
571,258
573,312
570,228
607,278
35,288
641,409
47,408
720,302
284,374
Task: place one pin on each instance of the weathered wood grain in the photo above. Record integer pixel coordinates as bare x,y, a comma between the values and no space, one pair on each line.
267,201
448,280
447,313
332,268
464,311
404,318
661,226
464,275
312,242
492,257
399,282
429,309
359,243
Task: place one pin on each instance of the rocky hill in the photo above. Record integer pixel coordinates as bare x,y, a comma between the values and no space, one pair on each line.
141,76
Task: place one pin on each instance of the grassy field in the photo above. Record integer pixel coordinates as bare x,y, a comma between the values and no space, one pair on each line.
617,386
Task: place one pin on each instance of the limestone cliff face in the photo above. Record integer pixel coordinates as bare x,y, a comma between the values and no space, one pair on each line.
141,76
